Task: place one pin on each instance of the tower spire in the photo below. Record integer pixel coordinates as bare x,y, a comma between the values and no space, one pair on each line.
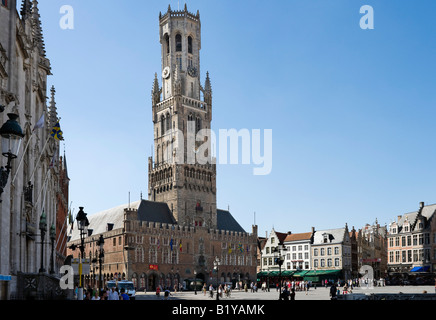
38,39
53,117
207,84
26,9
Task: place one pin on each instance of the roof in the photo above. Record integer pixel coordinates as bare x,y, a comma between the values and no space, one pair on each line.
155,212
151,211
225,221
335,236
98,221
298,236
282,236
427,211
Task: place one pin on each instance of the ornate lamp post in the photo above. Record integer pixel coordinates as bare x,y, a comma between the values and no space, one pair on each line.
43,229
195,282
100,260
11,136
52,238
279,250
216,264
82,224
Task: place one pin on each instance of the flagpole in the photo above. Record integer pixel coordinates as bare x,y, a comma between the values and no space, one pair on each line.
61,247
36,166
22,158
43,186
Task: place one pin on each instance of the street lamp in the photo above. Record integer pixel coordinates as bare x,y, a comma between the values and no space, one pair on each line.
82,224
216,264
11,136
100,258
279,260
52,238
195,282
43,229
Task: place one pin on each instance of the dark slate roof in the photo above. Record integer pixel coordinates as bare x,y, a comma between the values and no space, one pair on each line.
225,221
155,212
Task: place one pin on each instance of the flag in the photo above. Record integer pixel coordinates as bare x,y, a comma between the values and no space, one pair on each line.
56,132
53,159
171,244
230,249
71,220
40,123
241,249
180,246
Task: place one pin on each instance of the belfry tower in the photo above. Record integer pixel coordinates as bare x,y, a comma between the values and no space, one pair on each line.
181,109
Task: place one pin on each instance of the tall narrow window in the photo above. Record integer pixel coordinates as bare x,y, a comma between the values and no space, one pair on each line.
162,125
178,42
167,43
190,45
168,122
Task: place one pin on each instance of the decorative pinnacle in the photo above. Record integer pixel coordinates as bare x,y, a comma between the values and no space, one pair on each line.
155,84
207,85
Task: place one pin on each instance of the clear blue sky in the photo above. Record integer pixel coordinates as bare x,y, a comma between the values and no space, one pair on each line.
352,111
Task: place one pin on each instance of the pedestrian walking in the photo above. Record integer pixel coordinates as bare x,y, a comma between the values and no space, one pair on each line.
95,296
113,294
124,295
292,295
333,292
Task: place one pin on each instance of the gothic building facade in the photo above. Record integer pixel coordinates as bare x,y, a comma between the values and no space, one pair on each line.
33,189
178,233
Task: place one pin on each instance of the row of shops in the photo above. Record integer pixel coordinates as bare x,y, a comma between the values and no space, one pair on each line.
313,276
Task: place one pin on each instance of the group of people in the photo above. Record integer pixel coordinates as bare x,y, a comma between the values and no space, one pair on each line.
105,294
223,290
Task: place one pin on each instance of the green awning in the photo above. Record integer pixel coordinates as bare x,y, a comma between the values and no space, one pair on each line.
274,274
262,274
300,273
287,273
317,273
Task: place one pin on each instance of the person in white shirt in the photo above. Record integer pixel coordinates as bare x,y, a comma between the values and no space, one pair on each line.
113,295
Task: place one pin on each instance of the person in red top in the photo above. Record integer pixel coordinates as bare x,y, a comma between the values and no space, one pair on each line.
158,291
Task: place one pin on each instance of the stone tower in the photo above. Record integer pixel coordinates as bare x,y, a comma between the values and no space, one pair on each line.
183,172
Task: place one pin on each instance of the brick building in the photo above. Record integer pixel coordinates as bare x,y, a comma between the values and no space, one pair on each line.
411,243
178,232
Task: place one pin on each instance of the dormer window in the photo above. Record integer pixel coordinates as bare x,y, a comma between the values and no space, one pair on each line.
325,237
406,228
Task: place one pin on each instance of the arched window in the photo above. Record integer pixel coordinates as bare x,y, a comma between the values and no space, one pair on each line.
190,44
197,124
178,42
167,42
168,122
162,125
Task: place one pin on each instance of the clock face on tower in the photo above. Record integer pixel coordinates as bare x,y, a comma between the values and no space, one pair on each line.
192,71
166,73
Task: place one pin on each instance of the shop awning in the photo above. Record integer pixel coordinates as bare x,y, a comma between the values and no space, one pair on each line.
300,273
287,273
420,269
313,273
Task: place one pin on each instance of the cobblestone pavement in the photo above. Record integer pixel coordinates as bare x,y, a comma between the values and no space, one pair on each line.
320,293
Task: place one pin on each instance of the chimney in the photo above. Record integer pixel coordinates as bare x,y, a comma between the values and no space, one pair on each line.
313,229
399,217
421,205
289,232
